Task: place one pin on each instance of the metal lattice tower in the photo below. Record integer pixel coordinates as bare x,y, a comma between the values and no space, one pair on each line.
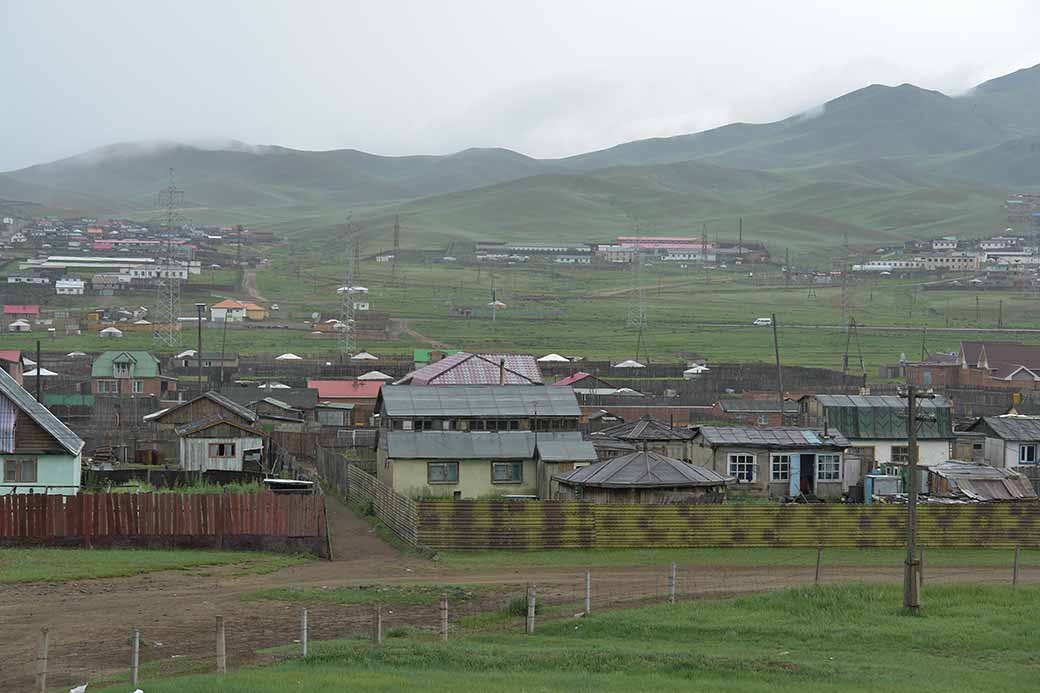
397,249
168,286
845,282
348,293
637,298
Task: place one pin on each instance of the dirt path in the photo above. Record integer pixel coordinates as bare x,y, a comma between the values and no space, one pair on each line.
249,286
402,325
352,537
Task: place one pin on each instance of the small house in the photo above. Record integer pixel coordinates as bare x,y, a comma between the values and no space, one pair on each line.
755,412
19,326
207,407
362,394
129,373
11,363
978,483
652,435
38,453
645,478
255,312
777,462
69,286
227,310
217,443
586,384
335,414
21,312
1010,441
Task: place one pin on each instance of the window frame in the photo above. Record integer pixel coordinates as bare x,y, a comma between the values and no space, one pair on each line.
831,475
519,465
763,419
446,480
1022,447
773,459
902,457
19,468
219,446
137,387
732,459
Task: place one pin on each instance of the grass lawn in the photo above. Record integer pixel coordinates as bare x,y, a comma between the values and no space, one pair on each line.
847,638
61,565
692,558
390,595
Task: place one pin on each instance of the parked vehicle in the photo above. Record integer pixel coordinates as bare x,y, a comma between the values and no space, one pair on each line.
760,322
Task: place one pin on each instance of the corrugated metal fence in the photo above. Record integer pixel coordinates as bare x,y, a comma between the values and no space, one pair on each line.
573,524
249,520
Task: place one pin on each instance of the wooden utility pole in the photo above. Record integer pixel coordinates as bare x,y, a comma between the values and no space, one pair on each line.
911,575
779,373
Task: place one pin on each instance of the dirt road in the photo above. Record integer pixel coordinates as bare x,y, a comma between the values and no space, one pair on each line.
249,286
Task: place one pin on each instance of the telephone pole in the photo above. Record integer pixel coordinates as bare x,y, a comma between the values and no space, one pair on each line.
779,373
912,569
397,249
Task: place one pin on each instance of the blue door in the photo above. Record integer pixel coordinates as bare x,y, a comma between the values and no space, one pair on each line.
794,480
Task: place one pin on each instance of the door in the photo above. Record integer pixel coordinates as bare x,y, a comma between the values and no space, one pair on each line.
794,479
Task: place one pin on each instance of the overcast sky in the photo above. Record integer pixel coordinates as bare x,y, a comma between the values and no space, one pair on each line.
547,78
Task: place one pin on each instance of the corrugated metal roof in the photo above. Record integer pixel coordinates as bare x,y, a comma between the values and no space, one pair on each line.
883,417
145,365
980,482
756,406
1011,427
643,469
10,389
464,368
645,429
566,450
462,445
775,437
505,401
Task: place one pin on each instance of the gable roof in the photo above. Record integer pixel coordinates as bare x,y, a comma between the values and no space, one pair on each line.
585,379
145,365
215,420
11,355
463,368
506,401
228,303
645,429
21,399
215,397
883,417
772,437
1009,427
297,397
643,470
1002,358
368,389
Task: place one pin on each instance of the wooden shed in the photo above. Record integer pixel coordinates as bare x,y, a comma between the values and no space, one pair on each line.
218,443
643,477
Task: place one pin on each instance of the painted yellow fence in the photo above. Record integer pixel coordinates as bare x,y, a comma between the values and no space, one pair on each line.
574,524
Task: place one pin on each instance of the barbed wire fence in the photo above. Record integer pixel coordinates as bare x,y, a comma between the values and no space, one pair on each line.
280,630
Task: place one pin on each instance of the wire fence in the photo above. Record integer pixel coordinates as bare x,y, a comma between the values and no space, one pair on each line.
256,631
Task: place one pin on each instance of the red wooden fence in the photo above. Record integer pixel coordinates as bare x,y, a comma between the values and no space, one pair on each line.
120,518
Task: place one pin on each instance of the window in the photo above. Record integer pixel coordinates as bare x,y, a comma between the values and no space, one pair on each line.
138,387
742,467
780,468
121,370
1027,453
221,449
108,387
407,425
19,471
763,419
507,472
901,454
828,467
442,472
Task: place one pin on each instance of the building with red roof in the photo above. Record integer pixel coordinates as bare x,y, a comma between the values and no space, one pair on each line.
360,393
464,368
11,363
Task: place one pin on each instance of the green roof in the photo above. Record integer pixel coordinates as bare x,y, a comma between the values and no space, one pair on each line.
51,399
423,355
883,417
145,365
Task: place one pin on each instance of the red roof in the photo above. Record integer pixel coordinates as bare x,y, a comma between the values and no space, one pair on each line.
12,355
344,389
21,310
571,379
464,368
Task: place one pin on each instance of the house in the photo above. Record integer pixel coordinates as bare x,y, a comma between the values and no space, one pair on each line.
69,286
876,427
586,384
645,478
208,407
362,394
335,414
227,310
27,278
755,412
218,443
21,312
300,399
651,435
38,453
777,462
129,373
462,368
470,441
1010,441
210,359
1011,362
255,312
275,415
978,483
11,363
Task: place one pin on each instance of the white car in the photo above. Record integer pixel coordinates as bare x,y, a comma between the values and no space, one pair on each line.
760,322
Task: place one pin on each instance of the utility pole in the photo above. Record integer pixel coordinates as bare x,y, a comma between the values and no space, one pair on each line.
1000,314
168,287
39,371
924,336
779,373
397,249
912,569
199,308
740,238
238,245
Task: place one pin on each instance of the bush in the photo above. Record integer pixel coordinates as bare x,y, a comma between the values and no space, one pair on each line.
517,606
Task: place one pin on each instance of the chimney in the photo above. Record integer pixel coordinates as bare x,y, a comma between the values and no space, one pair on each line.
502,371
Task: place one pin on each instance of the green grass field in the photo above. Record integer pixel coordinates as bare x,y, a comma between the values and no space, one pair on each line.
847,638
62,565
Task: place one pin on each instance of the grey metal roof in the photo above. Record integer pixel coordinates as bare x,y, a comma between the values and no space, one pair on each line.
884,417
878,401
645,429
480,401
774,437
1010,427
566,450
10,388
214,420
215,397
506,445
299,397
643,469
980,482
756,406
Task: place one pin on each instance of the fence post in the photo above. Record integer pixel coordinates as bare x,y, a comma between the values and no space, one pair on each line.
819,560
529,629
303,632
588,591
41,661
671,585
920,565
444,617
1014,570
377,624
135,656
221,647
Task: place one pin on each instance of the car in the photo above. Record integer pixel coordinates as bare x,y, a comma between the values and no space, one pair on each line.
274,306
760,322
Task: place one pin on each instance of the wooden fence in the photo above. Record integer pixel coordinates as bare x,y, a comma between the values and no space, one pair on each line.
397,512
574,524
289,523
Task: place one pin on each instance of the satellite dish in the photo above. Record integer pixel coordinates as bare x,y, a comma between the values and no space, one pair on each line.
315,315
